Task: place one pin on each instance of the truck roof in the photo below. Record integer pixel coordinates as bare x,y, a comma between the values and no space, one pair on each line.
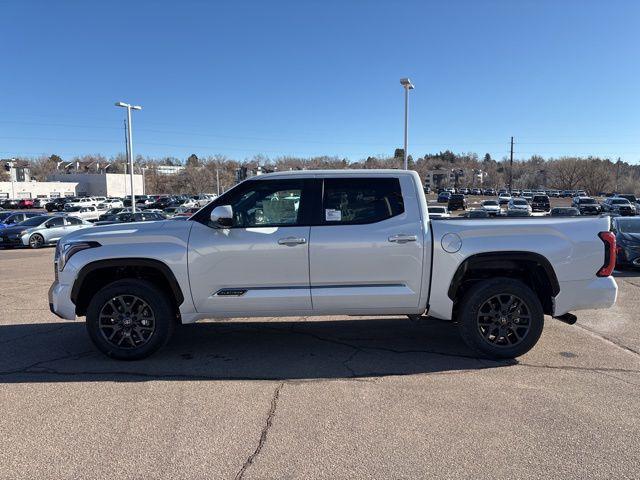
361,172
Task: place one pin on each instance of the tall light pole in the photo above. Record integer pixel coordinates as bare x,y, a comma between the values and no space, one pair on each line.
406,83
130,146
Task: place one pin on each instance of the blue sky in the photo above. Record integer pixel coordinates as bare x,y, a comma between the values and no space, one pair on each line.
321,77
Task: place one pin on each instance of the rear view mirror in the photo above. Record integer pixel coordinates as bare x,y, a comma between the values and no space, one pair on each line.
222,216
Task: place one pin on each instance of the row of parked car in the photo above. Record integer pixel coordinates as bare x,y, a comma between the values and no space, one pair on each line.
622,205
492,192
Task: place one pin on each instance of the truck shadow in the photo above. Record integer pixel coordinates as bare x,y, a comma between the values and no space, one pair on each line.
280,350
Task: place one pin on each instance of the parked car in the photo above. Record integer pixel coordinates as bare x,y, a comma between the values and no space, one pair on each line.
527,195
25,203
128,217
540,203
56,204
9,219
184,212
618,206
40,202
10,203
40,230
489,192
504,199
492,207
564,212
79,202
633,200
518,213
436,211
89,213
476,191
362,248
443,197
112,212
519,204
476,213
627,232
586,205
456,201
110,203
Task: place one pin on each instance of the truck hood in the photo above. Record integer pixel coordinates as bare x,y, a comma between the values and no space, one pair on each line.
132,233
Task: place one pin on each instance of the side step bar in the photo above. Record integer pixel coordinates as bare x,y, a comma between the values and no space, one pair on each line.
568,318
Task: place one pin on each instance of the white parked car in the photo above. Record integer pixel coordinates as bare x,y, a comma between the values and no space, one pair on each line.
518,204
79,202
110,203
436,211
492,207
271,246
504,198
88,213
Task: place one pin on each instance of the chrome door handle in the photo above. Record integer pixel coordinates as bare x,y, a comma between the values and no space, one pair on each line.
401,238
291,241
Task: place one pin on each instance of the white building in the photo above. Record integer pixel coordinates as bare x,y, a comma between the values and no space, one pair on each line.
37,189
102,184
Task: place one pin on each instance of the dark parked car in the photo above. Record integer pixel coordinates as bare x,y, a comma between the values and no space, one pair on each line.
110,214
477,214
456,201
9,219
161,203
540,203
443,197
618,206
627,231
57,204
564,212
128,217
10,203
586,205
518,213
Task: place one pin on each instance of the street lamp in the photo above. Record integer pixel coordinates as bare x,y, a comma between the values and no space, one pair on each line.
406,83
130,146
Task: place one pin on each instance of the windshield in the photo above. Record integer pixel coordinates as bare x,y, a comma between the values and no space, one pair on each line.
5,215
519,202
540,198
619,201
587,201
491,203
628,226
436,210
72,209
34,221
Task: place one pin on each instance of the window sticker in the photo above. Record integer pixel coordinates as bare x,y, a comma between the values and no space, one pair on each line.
331,215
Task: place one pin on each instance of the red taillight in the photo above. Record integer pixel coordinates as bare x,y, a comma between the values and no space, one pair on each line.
609,240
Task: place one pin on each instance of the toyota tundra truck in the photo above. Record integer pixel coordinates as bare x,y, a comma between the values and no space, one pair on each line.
347,242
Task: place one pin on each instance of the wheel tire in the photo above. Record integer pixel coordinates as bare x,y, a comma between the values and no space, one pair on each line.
162,310
481,295
36,240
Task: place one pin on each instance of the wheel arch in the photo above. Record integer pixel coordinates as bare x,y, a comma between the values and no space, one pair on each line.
531,268
96,275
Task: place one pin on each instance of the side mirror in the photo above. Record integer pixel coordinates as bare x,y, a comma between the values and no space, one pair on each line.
222,216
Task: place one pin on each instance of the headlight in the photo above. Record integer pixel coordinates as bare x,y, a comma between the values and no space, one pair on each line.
64,251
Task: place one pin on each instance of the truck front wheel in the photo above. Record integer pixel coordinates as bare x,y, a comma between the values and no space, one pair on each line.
500,318
130,319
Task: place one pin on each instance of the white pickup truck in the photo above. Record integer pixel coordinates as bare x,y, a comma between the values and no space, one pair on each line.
347,242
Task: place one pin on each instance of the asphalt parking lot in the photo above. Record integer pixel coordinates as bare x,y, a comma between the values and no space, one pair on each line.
331,397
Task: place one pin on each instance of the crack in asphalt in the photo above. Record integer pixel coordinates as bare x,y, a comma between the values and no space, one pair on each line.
608,339
263,434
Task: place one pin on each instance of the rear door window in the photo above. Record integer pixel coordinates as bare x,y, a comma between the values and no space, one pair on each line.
353,201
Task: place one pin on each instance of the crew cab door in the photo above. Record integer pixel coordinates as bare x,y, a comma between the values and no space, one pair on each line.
366,254
259,266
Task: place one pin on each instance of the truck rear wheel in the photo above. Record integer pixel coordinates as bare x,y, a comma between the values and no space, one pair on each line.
500,318
130,319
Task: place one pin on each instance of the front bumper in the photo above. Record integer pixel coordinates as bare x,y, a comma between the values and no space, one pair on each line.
60,301
9,241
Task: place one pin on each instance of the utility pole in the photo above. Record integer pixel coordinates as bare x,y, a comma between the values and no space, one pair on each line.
130,146
126,149
218,181
511,168
406,83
